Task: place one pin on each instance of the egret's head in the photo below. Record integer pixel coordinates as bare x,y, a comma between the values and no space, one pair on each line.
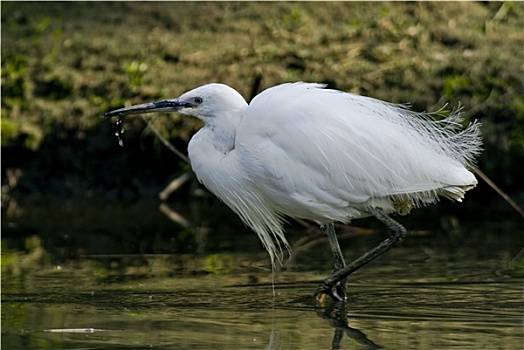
212,100
206,102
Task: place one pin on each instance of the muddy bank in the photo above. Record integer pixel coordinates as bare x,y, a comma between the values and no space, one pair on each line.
63,64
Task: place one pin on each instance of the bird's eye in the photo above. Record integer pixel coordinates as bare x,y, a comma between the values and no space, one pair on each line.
198,100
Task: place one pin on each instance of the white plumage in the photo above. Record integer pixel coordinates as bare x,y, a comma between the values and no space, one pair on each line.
303,151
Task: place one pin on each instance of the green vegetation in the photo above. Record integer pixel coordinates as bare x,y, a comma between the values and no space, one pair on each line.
63,64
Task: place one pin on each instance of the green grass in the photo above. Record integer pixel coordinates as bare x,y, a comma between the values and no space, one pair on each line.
63,64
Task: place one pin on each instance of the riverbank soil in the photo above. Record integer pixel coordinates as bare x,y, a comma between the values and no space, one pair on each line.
64,64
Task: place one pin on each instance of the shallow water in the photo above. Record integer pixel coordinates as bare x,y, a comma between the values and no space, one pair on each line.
112,276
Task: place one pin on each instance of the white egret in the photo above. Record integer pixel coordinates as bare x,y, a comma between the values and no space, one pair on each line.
307,152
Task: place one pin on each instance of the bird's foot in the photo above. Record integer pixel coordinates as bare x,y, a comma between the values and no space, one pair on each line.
338,293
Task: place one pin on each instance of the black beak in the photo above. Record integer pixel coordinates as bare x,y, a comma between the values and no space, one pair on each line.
161,106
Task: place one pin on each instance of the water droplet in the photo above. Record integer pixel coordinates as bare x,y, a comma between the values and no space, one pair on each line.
119,133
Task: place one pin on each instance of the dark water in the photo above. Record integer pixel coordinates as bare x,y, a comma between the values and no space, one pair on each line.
95,275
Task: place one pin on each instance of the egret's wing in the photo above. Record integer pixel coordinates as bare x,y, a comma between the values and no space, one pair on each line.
308,146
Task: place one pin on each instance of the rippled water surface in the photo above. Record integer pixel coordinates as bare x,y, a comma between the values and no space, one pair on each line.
99,276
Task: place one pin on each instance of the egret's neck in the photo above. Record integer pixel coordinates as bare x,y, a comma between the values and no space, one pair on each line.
221,132
221,119
222,139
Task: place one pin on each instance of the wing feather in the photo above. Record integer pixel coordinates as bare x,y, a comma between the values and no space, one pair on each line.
333,152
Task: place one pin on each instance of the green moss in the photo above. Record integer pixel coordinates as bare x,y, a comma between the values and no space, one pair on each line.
14,80
9,131
220,264
135,73
455,84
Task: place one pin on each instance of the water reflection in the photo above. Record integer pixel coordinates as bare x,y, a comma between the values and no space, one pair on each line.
165,314
336,315
74,277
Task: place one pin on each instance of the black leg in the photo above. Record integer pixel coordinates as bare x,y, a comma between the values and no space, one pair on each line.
340,263
399,232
